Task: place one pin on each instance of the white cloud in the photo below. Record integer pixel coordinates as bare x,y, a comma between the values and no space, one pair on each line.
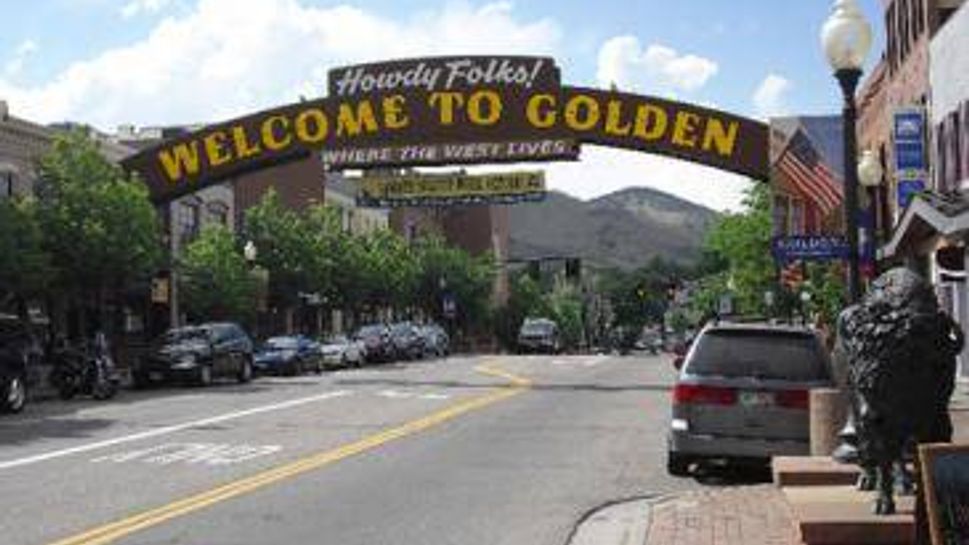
136,7
24,50
225,58
770,98
656,69
229,57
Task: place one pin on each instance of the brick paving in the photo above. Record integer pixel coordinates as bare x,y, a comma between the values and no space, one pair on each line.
747,515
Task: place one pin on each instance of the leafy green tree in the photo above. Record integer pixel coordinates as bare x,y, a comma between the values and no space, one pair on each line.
98,226
742,241
216,283
525,300
285,249
566,304
24,265
448,270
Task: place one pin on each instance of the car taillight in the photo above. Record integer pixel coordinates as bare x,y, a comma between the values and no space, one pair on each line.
792,399
703,395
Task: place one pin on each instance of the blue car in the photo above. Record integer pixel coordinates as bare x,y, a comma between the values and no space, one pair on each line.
291,355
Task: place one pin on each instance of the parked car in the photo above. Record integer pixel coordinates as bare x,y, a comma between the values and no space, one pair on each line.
539,335
288,355
342,351
437,343
407,340
198,353
378,346
742,394
20,357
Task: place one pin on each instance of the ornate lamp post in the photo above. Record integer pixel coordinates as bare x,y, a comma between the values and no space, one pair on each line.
846,39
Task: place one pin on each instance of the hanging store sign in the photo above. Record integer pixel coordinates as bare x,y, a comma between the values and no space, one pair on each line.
451,189
451,110
809,248
909,140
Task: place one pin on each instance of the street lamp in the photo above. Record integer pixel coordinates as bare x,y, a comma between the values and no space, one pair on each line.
249,252
846,39
869,170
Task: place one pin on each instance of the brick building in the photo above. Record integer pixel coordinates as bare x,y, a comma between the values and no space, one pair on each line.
927,62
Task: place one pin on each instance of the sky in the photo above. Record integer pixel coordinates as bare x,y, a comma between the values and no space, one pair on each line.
165,62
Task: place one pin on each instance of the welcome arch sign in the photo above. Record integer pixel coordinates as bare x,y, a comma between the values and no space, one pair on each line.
451,110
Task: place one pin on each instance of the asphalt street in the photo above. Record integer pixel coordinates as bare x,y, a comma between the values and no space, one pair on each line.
469,450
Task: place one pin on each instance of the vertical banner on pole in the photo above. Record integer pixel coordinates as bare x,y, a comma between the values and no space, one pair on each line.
908,136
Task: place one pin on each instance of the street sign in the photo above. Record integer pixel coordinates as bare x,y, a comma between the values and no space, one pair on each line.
907,189
909,137
809,247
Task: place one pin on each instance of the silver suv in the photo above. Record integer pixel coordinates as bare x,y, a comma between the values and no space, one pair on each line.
742,394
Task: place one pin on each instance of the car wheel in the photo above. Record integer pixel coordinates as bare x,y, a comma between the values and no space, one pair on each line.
245,372
677,465
14,394
204,377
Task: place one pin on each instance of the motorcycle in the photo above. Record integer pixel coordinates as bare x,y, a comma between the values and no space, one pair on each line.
89,371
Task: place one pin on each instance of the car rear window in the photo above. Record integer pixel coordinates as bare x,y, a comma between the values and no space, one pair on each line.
759,354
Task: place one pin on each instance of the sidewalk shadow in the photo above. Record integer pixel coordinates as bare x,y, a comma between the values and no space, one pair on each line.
714,475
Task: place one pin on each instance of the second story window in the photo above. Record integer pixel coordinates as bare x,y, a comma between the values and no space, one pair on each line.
188,220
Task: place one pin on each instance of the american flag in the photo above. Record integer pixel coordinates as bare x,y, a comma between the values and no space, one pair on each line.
805,169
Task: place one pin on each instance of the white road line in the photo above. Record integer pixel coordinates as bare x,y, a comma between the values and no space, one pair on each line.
394,394
169,429
435,396
596,360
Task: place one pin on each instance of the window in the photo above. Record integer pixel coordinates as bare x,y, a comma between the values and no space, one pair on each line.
780,215
797,217
188,220
219,213
7,189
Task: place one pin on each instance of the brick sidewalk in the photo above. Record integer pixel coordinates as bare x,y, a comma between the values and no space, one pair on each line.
748,515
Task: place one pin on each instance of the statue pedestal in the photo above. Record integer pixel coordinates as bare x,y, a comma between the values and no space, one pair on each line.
828,412
841,515
812,471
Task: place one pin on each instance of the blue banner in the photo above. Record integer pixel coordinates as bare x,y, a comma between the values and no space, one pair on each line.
809,248
909,136
908,189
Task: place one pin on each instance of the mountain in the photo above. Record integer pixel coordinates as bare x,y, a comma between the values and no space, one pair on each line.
623,229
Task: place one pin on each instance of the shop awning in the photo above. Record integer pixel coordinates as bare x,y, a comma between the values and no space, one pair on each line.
929,215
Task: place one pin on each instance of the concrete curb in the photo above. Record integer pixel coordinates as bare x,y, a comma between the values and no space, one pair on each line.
624,521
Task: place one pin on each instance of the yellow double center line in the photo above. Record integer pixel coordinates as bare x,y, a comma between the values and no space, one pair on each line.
118,529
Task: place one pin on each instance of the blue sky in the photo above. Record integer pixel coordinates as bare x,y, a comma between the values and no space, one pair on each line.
108,62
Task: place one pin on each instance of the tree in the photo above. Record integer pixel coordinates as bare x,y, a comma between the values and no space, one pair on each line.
215,279
566,305
98,225
24,265
742,241
448,271
284,248
525,300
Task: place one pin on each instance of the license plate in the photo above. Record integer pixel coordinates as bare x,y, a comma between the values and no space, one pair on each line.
156,375
756,399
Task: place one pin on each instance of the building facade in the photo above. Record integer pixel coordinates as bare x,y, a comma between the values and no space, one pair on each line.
930,234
